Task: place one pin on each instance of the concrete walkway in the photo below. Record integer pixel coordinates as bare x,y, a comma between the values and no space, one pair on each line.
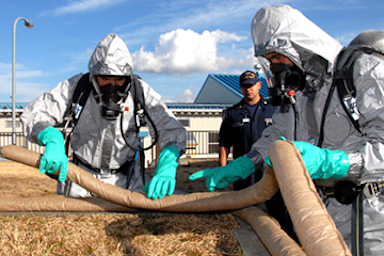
249,241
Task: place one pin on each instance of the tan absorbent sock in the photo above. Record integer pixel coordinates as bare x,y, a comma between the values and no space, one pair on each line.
195,202
316,232
269,231
56,203
314,226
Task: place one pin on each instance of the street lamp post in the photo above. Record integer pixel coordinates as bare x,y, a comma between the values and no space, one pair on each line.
27,24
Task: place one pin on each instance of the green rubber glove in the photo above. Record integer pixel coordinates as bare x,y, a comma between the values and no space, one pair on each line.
164,179
221,177
54,156
321,163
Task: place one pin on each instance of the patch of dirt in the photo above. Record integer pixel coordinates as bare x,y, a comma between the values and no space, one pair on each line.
189,166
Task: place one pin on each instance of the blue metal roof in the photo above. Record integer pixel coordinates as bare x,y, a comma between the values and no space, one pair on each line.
196,106
232,83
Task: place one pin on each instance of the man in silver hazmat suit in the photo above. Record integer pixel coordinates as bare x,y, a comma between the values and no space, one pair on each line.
301,58
98,144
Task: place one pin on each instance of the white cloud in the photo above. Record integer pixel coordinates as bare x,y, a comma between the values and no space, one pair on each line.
186,96
181,52
84,5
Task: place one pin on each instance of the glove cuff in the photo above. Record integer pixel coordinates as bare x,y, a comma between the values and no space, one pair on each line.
50,134
335,165
170,149
169,157
343,166
244,166
256,159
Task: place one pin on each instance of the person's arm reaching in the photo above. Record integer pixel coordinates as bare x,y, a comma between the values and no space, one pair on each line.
223,156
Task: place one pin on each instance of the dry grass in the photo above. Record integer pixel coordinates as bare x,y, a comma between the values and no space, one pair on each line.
118,234
145,233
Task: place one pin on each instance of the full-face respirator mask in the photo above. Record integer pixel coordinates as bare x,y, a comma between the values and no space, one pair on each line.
283,81
110,97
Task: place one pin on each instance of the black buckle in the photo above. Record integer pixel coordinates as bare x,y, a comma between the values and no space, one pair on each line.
325,192
371,190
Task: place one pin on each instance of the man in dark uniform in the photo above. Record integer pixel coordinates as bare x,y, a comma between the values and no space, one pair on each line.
243,124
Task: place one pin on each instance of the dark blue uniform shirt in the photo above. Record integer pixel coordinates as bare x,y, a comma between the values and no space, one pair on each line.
242,126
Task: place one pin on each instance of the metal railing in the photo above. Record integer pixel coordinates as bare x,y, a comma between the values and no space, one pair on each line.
202,143
21,140
199,143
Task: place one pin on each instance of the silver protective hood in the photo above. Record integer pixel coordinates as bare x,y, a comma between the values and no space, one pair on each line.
287,31
371,38
111,57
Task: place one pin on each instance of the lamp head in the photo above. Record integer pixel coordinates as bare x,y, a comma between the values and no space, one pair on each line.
28,24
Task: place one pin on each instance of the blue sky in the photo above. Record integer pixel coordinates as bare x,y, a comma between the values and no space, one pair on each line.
175,44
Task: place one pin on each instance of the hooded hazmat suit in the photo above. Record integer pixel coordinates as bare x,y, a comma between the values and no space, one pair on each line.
97,142
286,31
